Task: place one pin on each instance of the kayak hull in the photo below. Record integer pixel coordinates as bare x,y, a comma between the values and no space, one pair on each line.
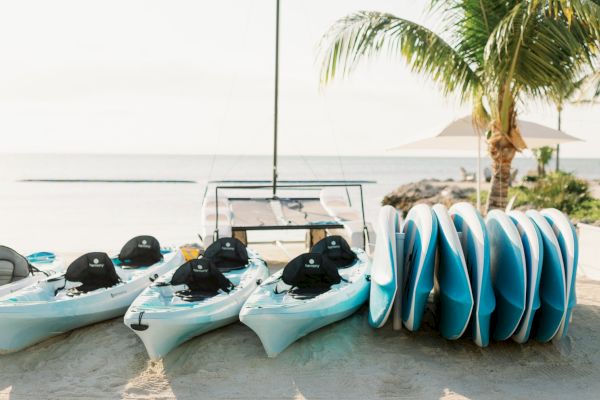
163,328
280,319
31,314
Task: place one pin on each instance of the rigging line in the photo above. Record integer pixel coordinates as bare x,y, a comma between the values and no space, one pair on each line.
327,114
309,167
232,82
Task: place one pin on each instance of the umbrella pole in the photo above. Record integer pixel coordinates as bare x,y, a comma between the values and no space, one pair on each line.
478,171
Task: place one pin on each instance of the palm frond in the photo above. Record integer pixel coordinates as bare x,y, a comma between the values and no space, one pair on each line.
365,34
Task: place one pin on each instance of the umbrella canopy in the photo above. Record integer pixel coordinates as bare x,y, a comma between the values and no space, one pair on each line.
462,135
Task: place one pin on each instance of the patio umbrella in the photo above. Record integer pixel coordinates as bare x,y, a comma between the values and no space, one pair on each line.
462,134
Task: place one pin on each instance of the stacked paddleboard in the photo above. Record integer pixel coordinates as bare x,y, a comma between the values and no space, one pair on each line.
510,276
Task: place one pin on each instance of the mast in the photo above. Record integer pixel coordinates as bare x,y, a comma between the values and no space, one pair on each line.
276,104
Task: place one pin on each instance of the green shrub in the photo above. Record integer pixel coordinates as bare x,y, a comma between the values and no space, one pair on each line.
559,190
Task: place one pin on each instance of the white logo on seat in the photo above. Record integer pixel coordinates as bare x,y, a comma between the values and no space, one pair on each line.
96,261
333,243
146,242
311,261
228,244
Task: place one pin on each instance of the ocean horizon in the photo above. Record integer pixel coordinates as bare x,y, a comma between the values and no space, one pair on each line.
94,214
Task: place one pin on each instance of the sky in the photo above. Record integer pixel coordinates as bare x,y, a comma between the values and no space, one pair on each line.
148,76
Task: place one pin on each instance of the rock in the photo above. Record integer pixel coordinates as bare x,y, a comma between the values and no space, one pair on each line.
429,191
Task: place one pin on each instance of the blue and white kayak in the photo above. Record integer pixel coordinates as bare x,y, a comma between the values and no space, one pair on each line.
553,301
534,258
163,319
569,248
452,277
470,225
41,265
384,279
420,241
280,317
509,274
53,305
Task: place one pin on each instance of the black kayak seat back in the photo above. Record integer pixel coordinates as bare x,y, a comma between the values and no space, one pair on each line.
227,254
94,270
141,251
337,249
202,277
13,266
311,271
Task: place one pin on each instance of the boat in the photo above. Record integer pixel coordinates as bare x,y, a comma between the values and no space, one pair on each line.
315,289
420,244
508,268
476,248
95,287
384,269
201,295
453,289
18,271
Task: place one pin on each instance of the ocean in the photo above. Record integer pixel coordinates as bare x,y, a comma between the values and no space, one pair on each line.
75,217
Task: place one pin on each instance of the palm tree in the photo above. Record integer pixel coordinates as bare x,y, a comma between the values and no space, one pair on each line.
494,54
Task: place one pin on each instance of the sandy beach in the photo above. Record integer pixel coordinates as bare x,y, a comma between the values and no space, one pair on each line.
346,360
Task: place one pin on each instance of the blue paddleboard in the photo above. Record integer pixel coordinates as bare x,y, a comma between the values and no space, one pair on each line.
509,273
469,224
452,278
420,229
569,248
534,257
384,280
553,302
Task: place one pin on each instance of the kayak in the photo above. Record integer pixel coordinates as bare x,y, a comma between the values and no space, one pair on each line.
508,267
553,303
309,293
471,229
534,256
384,279
17,271
452,279
169,313
93,288
569,249
420,244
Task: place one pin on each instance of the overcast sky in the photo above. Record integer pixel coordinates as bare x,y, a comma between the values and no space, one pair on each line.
149,76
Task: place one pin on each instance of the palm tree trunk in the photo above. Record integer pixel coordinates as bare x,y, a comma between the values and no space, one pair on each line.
502,152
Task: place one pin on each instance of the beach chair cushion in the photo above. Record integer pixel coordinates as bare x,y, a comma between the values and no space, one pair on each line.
94,270
141,251
227,253
13,266
311,271
337,249
202,277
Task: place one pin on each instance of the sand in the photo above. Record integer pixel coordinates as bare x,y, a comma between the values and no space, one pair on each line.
347,360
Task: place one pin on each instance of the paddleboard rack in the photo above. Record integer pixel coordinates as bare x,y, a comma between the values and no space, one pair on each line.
397,307
237,214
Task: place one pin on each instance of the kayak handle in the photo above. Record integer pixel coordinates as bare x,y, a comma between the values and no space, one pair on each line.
139,326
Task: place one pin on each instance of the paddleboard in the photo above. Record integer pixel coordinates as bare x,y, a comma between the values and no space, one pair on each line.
384,280
553,302
420,229
569,248
452,278
509,275
534,257
476,247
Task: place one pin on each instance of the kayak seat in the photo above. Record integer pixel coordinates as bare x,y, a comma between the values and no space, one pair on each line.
227,254
94,271
203,279
13,266
337,249
141,251
310,274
